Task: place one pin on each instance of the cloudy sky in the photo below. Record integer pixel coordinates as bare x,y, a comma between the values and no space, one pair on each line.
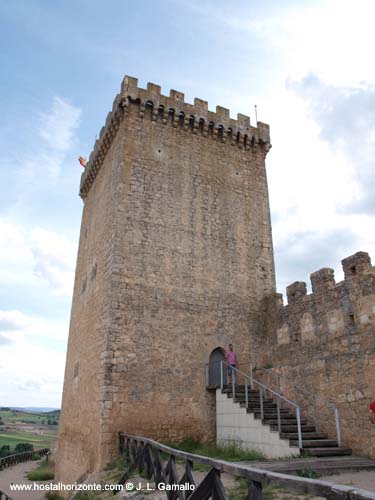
308,65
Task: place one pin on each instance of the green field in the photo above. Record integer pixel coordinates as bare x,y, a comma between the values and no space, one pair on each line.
9,416
15,418
14,437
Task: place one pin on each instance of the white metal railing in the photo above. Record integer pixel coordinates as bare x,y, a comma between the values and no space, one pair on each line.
298,389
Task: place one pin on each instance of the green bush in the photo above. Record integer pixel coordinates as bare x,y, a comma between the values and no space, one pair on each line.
41,473
5,451
119,463
51,495
22,447
310,473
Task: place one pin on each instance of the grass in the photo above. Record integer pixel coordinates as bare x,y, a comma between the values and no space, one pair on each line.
18,416
119,463
14,437
43,472
52,495
240,491
310,473
116,469
230,453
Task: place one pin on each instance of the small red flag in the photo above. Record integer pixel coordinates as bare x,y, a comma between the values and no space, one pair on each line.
82,161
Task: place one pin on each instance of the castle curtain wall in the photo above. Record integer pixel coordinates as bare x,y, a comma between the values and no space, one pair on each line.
326,342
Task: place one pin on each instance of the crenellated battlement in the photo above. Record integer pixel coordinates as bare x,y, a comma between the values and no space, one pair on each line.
172,110
331,308
324,341
357,266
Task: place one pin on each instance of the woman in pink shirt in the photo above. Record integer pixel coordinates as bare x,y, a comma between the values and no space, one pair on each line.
231,359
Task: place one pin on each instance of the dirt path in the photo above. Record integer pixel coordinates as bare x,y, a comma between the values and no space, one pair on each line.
17,475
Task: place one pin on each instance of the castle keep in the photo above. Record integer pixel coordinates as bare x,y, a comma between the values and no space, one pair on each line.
175,261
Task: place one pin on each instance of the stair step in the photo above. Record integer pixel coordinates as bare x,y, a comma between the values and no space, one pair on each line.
265,407
293,428
326,452
284,422
257,403
316,443
268,402
251,399
305,435
272,413
240,391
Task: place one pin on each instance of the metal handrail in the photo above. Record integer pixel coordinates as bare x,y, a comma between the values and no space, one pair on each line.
298,386
314,397
279,397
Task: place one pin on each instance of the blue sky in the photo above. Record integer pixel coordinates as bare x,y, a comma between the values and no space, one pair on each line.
308,67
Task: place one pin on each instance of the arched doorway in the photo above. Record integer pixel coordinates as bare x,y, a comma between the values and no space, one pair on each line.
214,367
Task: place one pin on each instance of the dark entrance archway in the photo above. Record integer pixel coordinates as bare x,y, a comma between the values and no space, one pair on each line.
214,367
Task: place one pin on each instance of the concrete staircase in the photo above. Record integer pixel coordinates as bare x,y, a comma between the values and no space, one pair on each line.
314,444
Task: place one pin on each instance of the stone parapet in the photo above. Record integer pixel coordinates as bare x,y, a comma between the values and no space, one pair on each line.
324,341
175,112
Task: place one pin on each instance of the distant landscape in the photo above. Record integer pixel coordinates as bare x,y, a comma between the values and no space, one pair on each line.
23,429
33,409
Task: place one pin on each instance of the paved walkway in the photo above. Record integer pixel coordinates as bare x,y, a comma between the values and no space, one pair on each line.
17,475
324,466
362,479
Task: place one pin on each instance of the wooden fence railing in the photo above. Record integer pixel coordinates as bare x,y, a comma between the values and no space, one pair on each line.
148,457
21,457
4,496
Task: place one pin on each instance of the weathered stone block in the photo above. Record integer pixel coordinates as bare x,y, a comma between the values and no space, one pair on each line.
296,291
357,264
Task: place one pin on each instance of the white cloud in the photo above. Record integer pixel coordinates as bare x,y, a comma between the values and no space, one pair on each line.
346,120
56,128
16,326
55,259
58,125
31,368
4,340
321,177
31,375
36,257
332,38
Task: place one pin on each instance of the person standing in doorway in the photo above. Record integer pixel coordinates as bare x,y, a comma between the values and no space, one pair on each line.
232,363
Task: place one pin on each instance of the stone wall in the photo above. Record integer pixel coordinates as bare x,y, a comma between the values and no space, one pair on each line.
326,341
79,445
175,259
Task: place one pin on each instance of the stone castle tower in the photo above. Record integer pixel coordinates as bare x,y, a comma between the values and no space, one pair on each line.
175,260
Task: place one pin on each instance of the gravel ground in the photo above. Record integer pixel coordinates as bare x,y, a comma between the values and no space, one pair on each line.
362,479
17,475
